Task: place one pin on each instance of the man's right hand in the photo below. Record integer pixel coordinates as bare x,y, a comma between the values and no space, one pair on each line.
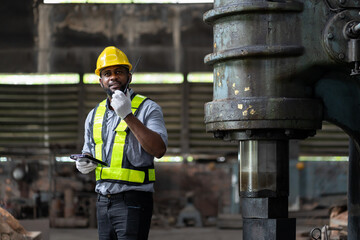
85,166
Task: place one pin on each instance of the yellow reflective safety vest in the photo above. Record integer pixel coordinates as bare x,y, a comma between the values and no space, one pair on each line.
120,170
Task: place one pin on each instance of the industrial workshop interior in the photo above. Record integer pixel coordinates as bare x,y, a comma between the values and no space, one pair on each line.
260,98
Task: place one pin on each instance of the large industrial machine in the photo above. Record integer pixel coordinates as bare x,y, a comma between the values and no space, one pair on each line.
281,67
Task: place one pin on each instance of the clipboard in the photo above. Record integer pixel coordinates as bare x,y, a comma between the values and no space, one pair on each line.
76,157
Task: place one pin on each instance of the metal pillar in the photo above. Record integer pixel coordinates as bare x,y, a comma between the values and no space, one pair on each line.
354,192
264,189
255,102
268,56
344,111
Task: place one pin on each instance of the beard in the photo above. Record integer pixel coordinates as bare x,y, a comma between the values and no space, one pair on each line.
107,90
110,92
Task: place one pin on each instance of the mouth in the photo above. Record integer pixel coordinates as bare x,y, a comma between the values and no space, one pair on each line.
115,86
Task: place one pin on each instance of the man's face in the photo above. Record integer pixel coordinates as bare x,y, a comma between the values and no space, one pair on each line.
114,78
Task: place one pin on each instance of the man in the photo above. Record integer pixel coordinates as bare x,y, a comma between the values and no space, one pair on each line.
126,131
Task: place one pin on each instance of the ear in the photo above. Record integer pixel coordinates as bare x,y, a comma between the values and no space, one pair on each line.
101,83
130,78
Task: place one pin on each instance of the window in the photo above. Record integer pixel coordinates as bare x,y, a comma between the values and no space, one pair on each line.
143,78
204,77
39,79
324,158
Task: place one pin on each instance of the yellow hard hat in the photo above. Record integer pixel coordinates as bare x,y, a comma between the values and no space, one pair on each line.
111,56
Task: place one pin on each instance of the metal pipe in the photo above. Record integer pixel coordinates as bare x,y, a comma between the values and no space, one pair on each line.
356,28
264,189
353,192
262,95
263,168
257,102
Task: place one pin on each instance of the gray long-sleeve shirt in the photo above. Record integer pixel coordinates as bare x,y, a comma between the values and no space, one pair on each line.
150,114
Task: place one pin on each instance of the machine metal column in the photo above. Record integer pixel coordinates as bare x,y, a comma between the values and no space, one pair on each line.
264,189
255,104
344,111
354,192
268,55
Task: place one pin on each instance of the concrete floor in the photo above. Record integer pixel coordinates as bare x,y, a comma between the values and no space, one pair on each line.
303,227
190,233
155,234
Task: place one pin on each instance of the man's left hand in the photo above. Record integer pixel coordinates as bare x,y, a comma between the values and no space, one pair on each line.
121,103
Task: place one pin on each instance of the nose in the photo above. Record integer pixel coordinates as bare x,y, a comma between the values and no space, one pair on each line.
113,75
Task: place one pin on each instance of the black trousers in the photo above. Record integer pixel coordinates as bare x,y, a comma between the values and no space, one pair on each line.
124,216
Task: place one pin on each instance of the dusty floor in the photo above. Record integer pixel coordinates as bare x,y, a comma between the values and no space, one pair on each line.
305,221
208,233
187,233
155,234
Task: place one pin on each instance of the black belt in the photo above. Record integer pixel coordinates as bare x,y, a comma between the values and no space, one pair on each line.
121,195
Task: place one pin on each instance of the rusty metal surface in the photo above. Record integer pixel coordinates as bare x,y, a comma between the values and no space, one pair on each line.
339,5
262,52
336,36
266,50
263,113
254,51
258,48
229,8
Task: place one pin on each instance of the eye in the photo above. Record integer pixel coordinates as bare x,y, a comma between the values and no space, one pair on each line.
119,72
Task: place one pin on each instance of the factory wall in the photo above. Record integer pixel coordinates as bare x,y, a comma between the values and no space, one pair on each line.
38,38
68,38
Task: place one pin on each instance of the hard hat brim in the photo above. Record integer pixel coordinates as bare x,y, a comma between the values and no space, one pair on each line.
98,70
